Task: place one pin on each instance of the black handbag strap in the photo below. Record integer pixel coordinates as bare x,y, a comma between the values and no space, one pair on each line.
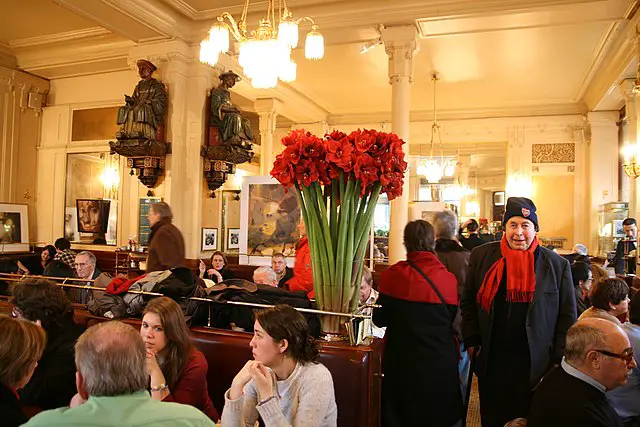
435,289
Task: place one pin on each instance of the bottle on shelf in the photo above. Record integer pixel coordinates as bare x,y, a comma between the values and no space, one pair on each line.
129,245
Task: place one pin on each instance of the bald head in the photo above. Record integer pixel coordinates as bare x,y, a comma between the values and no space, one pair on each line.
111,360
592,346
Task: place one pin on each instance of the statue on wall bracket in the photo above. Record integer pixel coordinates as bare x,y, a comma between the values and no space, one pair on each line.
230,137
141,120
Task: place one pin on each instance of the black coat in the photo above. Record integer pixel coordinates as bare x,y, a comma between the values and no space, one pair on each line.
53,383
288,274
420,363
11,414
471,242
619,259
550,314
563,400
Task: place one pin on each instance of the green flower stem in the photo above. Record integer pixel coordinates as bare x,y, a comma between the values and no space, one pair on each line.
317,278
345,207
333,216
349,258
324,229
318,235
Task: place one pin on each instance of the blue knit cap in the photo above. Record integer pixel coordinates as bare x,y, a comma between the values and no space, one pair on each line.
522,207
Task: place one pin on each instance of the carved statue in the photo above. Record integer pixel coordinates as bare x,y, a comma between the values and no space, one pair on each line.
234,129
144,110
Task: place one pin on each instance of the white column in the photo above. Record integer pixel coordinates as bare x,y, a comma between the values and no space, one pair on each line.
400,45
603,166
267,110
628,186
187,84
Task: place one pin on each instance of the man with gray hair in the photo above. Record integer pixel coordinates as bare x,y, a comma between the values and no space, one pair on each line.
598,357
265,276
112,379
86,268
455,258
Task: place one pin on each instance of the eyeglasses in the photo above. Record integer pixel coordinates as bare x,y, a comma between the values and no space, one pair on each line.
626,355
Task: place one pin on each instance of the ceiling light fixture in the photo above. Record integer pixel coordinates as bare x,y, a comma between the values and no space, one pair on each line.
265,54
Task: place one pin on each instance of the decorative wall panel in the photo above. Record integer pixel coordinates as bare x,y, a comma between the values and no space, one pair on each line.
554,153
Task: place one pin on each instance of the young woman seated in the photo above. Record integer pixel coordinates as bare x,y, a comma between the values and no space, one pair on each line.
177,370
53,383
20,349
284,385
46,256
219,270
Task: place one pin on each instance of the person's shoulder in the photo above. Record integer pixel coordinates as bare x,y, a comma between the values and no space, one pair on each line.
316,371
52,417
483,250
553,257
180,414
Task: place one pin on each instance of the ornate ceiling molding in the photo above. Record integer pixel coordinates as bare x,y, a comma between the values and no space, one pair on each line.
87,33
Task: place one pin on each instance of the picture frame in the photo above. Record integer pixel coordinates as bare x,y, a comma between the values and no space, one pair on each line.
233,238
14,228
209,239
93,215
144,229
269,219
618,228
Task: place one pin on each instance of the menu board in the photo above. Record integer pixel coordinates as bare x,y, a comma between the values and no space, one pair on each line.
143,220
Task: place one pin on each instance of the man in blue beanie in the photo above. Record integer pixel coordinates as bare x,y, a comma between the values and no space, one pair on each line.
517,304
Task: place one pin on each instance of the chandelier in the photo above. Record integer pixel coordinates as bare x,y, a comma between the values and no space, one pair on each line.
432,168
265,53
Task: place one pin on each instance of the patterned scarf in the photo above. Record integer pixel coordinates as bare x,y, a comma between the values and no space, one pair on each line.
521,278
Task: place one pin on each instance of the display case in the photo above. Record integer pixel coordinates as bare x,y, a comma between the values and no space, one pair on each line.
610,229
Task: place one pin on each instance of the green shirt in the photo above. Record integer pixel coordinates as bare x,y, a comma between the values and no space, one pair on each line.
131,410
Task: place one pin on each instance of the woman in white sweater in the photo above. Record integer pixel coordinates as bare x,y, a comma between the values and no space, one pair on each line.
284,384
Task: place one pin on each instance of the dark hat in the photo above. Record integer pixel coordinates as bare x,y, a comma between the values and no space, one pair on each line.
522,207
230,74
149,64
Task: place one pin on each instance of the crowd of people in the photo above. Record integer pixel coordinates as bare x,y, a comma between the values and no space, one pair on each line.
551,339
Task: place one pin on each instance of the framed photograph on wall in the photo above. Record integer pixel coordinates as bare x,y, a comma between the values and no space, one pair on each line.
14,228
209,239
143,220
93,215
233,238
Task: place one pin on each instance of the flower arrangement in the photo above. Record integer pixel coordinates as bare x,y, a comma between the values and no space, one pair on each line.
338,180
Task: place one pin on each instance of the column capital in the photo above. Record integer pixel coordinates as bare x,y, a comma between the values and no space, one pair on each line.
401,44
627,87
266,105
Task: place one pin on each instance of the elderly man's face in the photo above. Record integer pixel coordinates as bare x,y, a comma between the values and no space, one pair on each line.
613,371
153,217
84,267
520,233
365,291
262,279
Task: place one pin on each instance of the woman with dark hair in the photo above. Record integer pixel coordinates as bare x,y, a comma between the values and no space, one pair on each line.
474,239
419,300
582,282
53,383
284,385
22,346
219,270
609,300
37,268
177,370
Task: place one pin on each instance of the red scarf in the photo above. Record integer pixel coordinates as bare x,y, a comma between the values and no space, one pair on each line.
521,277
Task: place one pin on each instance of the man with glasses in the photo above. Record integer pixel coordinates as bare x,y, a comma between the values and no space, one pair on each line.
86,268
598,358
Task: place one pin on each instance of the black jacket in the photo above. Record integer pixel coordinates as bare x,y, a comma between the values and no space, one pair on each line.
53,383
563,400
470,242
619,259
549,316
288,274
11,414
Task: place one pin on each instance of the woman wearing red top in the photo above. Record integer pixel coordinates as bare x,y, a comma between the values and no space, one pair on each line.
177,370
302,279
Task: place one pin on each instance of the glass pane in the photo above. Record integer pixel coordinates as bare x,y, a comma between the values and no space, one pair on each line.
230,215
91,206
381,224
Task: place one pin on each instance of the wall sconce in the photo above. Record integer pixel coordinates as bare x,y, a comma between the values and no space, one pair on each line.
631,164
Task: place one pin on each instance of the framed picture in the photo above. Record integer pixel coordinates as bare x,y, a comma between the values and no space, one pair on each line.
618,228
143,221
14,228
269,219
233,238
93,215
209,239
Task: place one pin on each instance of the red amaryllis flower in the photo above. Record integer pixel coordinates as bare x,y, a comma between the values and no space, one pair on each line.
365,170
291,154
339,152
306,172
283,171
311,146
362,140
394,189
293,137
